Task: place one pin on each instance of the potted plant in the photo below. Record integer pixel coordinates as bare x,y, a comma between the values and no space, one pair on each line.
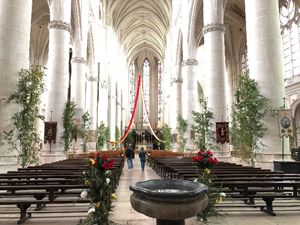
22,137
85,125
102,135
182,127
247,127
202,127
68,124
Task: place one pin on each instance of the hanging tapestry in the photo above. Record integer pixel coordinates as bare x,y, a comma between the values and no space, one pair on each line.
285,121
50,132
222,132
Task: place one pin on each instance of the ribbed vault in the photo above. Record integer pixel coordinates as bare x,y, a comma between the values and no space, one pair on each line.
141,25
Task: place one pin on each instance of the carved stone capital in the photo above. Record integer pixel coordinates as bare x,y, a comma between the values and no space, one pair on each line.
92,79
79,60
190,62
213,27
58,24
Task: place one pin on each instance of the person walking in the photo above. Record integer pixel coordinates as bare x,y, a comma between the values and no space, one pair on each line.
128,154
142,156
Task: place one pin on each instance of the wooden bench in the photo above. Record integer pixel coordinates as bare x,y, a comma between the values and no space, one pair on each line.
55,183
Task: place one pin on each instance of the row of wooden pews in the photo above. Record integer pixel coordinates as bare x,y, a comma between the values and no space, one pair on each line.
239,182
52,183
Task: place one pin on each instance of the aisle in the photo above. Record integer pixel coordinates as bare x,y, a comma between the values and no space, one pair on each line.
123,213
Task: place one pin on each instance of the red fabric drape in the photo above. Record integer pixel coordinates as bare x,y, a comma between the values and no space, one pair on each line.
134,110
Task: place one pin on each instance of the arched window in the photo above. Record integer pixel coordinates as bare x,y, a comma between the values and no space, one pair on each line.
160,92
131,87
146,88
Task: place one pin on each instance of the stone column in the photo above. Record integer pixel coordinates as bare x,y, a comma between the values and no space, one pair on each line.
189,96
189,72
58,65
265,63
153,96
112,109
15,23
118,110
79,61
92,104
213,32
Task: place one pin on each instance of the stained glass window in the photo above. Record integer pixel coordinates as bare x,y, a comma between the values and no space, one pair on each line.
131,87
146,89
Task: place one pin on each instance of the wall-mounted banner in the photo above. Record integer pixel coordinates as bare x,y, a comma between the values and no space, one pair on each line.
50,132
285,120
222,132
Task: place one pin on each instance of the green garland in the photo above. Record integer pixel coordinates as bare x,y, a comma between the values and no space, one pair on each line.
85,125
98,178
68,125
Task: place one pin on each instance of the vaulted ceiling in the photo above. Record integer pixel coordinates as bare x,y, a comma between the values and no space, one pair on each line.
141,25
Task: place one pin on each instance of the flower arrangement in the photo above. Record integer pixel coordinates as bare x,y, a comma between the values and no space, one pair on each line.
206,161
97,178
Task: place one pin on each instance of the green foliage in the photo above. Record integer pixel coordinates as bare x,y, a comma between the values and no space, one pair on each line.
167,136
102,134
205,161
247,127
202,127
129,139
182,127
85,125
22,137
68,125
98,179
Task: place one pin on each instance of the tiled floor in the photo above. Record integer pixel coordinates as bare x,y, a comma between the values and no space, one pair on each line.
124,214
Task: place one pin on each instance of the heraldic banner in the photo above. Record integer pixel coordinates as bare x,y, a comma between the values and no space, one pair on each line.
285,121
222,132
50,132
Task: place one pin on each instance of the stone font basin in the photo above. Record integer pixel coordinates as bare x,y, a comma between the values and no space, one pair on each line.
169,201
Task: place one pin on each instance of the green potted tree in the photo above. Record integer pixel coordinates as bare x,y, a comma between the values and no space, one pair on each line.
68,124
247,127
181,129
167,137
202,127
102,135
85,125
22,137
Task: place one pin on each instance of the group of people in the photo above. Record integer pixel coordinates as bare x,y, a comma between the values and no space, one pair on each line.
129,154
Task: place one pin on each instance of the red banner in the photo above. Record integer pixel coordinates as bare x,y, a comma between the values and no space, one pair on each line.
222,132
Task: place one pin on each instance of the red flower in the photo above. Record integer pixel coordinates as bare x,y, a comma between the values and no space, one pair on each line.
209,153
107,165
216,161
211,160
104,157
98,154
197,158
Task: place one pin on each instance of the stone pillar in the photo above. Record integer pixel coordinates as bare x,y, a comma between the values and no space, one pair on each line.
79,61
189,72
112,109
118,110
213,32
265,63
92,105
15,23
58,66
189,96
153,96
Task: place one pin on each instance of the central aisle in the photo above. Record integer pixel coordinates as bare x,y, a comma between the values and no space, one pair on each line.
123,213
